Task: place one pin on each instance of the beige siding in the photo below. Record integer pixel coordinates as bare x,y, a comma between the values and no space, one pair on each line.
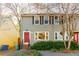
28,26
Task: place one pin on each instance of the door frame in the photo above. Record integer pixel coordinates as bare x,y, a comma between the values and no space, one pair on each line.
29,37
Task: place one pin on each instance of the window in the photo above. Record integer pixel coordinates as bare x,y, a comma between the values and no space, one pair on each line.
57,35
41,35
41,19
36,20
45,19
56,20
51,19
66,36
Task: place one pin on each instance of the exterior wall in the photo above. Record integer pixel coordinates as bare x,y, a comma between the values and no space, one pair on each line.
26,25
77,24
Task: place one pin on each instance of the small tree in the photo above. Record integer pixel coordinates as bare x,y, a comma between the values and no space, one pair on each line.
68,18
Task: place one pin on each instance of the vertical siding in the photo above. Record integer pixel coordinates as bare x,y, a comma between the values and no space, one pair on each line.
26,24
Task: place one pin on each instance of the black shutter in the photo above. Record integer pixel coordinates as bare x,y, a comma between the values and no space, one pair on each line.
32,19
52,19
49,19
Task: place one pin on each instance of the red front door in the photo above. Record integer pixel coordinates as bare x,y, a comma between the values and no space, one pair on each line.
76,37
26,39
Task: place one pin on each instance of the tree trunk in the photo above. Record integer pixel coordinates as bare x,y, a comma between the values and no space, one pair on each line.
69,43
64,42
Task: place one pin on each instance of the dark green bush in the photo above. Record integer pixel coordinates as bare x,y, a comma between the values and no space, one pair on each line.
47,45
74,46
57,45
42,45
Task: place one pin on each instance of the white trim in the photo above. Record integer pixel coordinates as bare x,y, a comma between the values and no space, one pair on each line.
29,36
37,19
47,20
57,36
39,32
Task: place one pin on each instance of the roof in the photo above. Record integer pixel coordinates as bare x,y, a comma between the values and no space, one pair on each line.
31,14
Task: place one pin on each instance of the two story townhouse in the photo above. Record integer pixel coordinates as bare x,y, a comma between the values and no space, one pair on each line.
42,27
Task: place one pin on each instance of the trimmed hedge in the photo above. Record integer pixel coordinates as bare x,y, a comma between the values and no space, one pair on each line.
74,46
42,45
48,45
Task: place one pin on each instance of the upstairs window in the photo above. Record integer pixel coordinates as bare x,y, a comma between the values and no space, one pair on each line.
46,20
51,19
36,20
56,20
41,19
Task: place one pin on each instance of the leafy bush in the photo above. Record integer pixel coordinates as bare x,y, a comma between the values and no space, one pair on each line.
58,45
29,53
42,45
74,46
53,45
47,45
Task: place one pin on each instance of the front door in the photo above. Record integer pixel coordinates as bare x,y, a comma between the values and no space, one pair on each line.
26,39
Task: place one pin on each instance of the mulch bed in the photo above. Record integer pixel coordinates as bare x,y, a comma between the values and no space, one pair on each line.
71,51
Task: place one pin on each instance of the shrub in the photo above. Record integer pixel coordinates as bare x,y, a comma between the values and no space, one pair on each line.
42,45
74,46
47,45
53,45
29,53
58,45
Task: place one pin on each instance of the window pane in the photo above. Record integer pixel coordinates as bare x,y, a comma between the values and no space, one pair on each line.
36,20
41,19
56,17
41,35
56,20
46,19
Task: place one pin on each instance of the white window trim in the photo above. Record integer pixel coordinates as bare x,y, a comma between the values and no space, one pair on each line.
58,20
38,20
29,37
47,19
41,39
54,36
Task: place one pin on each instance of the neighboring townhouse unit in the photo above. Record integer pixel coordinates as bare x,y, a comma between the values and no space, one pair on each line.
8,34
41,27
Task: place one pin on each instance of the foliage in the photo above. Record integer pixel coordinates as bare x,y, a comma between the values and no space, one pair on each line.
47,45
29,53
74,46
53,45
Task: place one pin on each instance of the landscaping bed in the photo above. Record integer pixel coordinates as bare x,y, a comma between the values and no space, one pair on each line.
53,46
29,53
